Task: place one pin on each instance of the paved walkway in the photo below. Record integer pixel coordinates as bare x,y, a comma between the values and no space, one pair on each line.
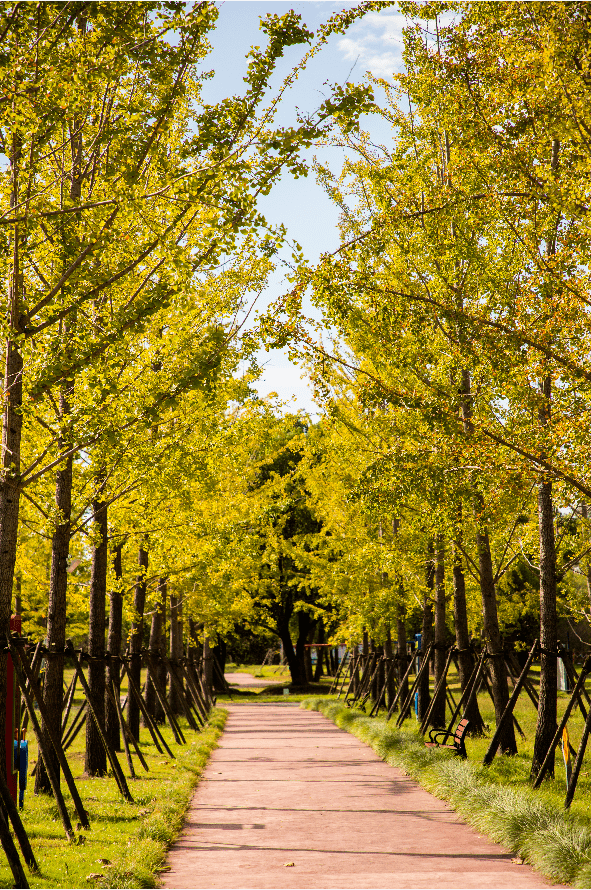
289,800
239,678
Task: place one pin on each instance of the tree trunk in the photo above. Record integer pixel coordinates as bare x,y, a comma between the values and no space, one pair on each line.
546,724
437,718
114,648
135,646
426,631
296,669
157,646
320,651
401,650
176,651
500,688
53,688
305,627
12,424
465,656
96,758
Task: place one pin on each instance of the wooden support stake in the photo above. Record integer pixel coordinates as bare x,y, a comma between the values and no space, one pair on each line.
180,674
508,712
437,692
468,692
405,709
182,695
44,743
8,845
177,732
558,734
388,673
114,699
125,728
200,705
72,733
335,683
115,765
400,688
572,785
13,814
157,736
69,701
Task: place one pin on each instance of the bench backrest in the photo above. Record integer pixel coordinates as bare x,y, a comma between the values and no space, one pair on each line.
460,732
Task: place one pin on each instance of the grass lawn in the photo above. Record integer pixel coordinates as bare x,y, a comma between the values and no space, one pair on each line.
127,842
498,799
272,671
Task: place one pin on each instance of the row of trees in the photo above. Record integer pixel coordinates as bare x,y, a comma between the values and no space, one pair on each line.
459,305
132,247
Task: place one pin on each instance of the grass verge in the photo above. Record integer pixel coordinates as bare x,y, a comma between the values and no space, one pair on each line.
527,822
127,843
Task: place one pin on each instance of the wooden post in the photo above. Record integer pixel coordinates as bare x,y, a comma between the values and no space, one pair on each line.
44,743
114,700
195,693
157,736
187,692
115,765
437,691
508,712
385,686
394,701
69,701
182,696
558,734
335,682
9,848
11,810
404,710
572,785
178,735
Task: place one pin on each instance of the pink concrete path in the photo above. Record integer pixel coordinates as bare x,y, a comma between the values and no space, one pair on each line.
287,786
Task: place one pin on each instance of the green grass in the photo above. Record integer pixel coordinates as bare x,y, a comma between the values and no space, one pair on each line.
497,800
132,839
272,671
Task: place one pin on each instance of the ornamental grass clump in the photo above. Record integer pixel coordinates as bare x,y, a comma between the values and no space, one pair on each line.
524,821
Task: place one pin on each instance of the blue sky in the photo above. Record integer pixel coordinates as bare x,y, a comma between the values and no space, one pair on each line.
374,43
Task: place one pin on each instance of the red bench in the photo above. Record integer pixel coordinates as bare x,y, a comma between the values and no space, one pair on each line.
458,746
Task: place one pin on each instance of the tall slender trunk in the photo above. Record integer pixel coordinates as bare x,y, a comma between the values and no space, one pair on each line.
500,687
114,648
12,425
157,647
320,651
305,626
135,645
465,655
427,630
176,647
56,612
546,724
401,649
96,758
437,718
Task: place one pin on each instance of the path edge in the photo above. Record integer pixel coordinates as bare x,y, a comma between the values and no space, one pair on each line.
142,867
552,841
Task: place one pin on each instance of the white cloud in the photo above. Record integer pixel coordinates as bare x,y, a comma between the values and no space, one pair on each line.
376,43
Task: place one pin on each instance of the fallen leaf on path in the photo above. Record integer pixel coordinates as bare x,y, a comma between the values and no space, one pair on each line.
517,861
288,864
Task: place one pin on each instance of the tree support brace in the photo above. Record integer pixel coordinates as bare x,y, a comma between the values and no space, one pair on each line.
508,712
